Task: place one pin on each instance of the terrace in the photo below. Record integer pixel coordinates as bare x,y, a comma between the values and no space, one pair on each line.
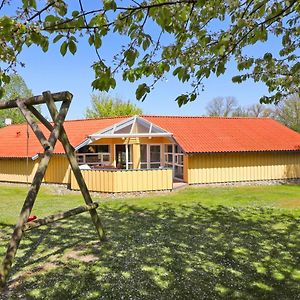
136,153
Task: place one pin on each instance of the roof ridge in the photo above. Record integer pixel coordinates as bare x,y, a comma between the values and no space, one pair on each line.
204,117
165,116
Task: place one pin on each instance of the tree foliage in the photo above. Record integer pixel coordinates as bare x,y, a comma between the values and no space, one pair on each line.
288,112
15,88
193,39
103,105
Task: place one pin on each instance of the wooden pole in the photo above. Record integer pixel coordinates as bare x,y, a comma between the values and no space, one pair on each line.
57,97
69,150
60,216
35,128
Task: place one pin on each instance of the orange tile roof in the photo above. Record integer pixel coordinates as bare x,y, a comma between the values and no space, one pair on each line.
14,141
219,134
193,134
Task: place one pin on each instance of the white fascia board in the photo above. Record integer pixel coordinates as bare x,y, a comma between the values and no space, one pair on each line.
84,143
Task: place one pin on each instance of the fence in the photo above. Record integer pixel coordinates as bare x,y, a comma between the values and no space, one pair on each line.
116,181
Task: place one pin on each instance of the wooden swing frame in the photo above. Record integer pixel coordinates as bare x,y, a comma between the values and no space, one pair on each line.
57,132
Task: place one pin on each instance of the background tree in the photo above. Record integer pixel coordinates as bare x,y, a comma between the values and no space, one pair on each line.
288,112
221,106
15,88
228,107
193,39
259,110
103,105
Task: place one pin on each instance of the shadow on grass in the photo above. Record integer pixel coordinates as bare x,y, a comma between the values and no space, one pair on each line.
191,252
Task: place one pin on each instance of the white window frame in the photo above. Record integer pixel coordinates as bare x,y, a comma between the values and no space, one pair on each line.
175,157
127,162
149,163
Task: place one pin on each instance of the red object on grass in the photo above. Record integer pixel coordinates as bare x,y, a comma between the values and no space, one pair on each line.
31,218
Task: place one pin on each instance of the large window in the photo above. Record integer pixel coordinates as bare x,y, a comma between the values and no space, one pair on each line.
150,156
94,155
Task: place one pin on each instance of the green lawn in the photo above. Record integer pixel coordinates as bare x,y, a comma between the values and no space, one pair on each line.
198,243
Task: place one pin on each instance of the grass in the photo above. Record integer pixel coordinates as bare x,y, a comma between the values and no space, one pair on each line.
198,243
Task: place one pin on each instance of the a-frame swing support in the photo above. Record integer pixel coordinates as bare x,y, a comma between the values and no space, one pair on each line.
57,132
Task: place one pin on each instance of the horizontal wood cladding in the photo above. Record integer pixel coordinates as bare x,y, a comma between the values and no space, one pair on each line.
108,181
233,167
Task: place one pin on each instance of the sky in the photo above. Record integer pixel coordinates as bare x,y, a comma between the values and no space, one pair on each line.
51,71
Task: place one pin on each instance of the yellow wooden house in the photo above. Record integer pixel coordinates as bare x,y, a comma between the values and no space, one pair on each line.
145,153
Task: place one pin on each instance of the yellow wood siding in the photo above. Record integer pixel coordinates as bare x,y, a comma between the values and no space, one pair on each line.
58,170
109,181
17,170
185,168
231,167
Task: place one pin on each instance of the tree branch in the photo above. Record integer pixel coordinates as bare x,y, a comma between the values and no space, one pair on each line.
41,11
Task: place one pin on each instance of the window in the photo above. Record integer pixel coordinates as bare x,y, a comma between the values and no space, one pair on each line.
150,156
94,149
168,148
94,155
168,155
174,159
123,156
144,155
154,161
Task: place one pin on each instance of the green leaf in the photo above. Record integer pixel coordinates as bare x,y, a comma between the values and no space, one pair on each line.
112,83
237,79
141,91
268,56
220,69
109,5
182,99
193,97
146,44
29,3
97,41
5,78
295,68
44,44
91,40
75,13
63,48
221,50
57,38
61,7
130,56
72,47
51,19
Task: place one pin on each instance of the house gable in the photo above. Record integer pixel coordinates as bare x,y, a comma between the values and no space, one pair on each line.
131,128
